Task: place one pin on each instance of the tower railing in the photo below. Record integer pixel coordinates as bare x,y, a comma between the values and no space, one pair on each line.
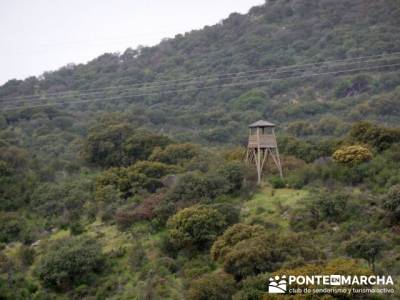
262,141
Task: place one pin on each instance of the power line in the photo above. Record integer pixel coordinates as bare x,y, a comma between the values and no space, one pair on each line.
149,87
202,88
205,76
222,85
188,78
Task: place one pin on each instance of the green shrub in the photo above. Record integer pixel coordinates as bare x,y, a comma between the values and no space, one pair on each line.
254,99
26,255
195,227
62,200
247,250
153,169
392,204
77,228
352,155
367,246
379,137
129,181
230,212
232,236
116,144
70,262
195,186
14,227
174,154
322,206
253,288
195,267
277,182
215,286
137,256
234,173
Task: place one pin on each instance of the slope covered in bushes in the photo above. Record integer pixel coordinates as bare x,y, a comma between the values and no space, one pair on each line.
148,197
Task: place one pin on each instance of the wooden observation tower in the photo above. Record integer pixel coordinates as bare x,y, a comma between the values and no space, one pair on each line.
262,145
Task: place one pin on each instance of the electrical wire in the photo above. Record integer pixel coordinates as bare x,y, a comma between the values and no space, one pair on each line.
216,77
145,88
202,88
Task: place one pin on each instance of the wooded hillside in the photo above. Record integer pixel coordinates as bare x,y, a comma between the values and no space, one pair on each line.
123,178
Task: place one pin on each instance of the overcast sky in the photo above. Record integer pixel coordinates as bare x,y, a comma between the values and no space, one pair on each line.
43,35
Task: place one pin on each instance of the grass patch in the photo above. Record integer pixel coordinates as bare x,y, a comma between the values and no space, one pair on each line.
271,206
60,234
109,236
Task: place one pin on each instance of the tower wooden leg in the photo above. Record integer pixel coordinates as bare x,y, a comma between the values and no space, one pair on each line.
260,157
258,164
279,162
265,158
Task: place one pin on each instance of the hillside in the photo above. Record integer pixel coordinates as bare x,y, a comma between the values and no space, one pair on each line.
280,33
123,178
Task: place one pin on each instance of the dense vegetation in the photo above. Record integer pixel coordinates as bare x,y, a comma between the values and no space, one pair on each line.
147,197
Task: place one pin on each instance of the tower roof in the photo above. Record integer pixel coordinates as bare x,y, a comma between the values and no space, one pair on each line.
261,123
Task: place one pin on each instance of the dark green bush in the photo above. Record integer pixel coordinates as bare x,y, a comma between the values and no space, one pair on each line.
216,286
247,250
175,154
367,246
277,182
195,186
70,262
195,227
14,227
392,204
